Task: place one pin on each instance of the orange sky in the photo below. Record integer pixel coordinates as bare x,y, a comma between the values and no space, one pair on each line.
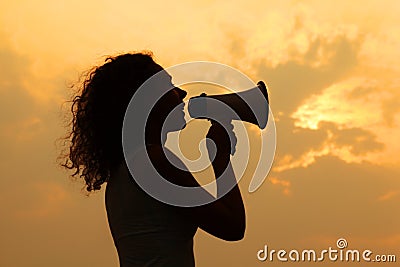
333,74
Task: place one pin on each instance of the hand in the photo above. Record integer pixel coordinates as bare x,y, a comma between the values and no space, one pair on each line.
223,137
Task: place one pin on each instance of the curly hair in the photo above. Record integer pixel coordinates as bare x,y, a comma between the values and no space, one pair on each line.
94,143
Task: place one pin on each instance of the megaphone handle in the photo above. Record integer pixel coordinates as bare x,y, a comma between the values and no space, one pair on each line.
225,131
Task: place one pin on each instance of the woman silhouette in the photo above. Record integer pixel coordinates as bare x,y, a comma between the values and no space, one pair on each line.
146,232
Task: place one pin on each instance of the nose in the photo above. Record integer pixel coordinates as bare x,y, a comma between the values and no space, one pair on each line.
182,93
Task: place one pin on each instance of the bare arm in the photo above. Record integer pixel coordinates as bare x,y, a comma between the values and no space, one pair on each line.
231,204
225,217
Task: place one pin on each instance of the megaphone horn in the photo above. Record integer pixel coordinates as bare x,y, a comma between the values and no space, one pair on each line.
250,106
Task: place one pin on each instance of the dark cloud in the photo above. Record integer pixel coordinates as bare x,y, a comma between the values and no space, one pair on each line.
343,195
330,199
296,141
359,140
292,82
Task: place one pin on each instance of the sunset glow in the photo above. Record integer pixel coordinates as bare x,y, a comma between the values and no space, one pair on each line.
333,72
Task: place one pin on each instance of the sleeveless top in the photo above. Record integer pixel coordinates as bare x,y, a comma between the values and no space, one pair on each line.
146,232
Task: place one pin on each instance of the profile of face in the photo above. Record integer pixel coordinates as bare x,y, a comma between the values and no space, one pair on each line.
175,119
168,112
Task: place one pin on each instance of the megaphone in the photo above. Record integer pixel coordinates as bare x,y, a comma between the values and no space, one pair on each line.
251,106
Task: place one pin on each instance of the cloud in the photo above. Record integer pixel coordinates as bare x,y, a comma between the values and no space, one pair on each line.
306,51
368,105
379,49
296,141
282,183
333,196
300,147
358,140
328,200
292,82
